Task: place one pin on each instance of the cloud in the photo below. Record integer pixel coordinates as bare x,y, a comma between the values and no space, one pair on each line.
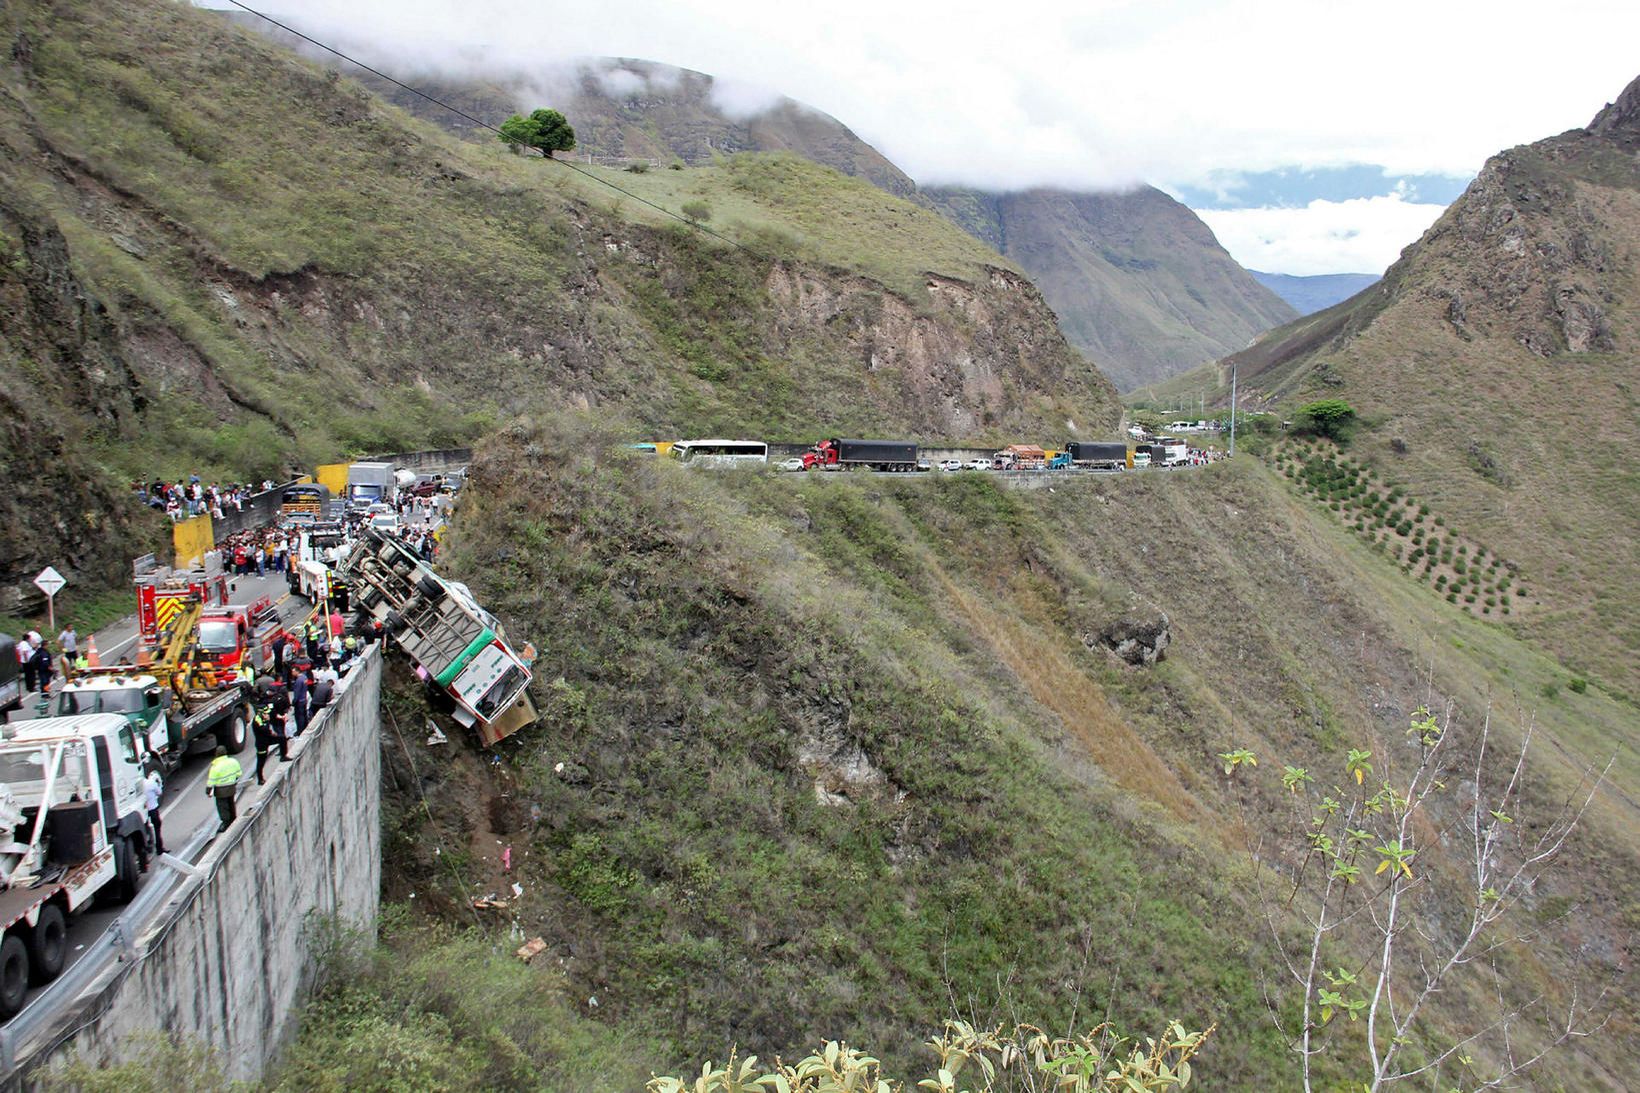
1362,235
1082,93
741,100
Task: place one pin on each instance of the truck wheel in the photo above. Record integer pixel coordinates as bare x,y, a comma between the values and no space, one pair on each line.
369,598
13,975
232,734
125,871
431,588
47,945
394,624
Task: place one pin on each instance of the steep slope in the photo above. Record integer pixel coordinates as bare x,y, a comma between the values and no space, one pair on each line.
836,756
1315,293
1138,281
1496,366
225,260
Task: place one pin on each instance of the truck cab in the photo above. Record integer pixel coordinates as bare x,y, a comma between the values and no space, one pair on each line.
227,634
139,698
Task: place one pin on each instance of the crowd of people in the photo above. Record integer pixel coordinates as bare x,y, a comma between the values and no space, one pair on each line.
182,499
38,664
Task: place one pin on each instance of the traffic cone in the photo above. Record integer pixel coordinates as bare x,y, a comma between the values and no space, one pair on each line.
92,660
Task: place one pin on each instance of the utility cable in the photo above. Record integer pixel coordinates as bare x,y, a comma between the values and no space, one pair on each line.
460,113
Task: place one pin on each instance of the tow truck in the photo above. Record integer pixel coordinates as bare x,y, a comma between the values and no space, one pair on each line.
175,697
71,810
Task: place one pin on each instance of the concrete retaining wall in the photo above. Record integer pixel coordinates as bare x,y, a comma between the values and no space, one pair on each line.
437,461
228,959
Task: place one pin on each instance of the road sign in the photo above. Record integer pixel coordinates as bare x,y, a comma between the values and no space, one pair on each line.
51,582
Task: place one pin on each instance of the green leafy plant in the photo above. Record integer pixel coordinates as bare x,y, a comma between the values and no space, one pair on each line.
545,130
1237,758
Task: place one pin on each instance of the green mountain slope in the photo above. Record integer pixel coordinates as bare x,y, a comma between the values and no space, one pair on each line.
1496,365
828,756
223,259
1138,281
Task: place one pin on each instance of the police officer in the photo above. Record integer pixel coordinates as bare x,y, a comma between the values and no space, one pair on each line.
222,783
267,726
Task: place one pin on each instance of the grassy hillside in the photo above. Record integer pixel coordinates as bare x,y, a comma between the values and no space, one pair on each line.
1495,370
223,259
840,756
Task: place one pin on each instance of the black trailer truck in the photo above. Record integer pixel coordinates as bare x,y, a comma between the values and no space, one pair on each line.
1113,456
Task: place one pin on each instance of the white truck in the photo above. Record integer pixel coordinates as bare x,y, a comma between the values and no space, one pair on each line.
72,805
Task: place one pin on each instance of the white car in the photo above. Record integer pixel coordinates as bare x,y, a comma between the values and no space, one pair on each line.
978,464
385,522
792,464
950,464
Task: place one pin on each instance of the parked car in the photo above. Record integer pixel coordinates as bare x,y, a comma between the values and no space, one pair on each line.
924,465
978,464
385,521
792,464
950,464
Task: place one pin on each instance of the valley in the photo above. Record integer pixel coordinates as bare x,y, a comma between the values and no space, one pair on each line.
1232,754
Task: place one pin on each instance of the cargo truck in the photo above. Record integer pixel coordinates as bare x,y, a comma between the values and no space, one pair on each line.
72,805
461,647
1113,456
169,723
875,455
370,483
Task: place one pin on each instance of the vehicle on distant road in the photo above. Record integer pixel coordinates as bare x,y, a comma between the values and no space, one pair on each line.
835,454
384,521
950,464
978,465
720,453
1141,457
924,465
1112,455
791,464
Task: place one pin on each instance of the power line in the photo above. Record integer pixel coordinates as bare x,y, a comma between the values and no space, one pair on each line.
460,113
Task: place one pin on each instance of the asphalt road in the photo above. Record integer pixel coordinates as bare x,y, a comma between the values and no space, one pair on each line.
185,806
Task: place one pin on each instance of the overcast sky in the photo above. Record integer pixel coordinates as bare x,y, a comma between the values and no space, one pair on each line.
1313,137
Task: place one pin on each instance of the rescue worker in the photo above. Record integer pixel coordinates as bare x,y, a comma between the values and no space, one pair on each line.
222,783
299,700
247,670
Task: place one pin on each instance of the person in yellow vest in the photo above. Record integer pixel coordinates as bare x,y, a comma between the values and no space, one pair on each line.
222,782
247,671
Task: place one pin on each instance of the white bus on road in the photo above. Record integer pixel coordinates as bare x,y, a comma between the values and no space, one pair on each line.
720,453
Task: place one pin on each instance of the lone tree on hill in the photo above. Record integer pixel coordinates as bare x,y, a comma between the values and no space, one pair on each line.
545,129
1330,417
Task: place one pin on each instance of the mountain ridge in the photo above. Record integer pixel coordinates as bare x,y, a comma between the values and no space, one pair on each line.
1139,281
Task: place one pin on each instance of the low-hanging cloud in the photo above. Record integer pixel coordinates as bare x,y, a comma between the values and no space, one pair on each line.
1087,94
1363,235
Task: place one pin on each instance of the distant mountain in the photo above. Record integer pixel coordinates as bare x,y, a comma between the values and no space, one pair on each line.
1317,293
1138,280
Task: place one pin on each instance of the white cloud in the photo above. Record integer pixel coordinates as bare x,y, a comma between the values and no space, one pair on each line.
741,100
1363,235
1085,93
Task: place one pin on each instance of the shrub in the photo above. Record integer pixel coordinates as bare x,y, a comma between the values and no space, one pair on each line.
1549,690
1578,685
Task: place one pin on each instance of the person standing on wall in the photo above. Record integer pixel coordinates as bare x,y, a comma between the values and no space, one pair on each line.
153,789
222,783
